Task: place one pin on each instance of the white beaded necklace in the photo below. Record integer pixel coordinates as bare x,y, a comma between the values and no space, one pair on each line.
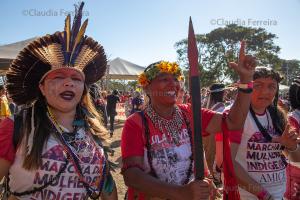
171,126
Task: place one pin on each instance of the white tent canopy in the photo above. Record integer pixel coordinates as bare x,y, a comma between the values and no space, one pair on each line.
119,68
10,51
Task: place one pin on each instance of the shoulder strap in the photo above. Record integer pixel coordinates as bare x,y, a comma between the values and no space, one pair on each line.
260,127
148,145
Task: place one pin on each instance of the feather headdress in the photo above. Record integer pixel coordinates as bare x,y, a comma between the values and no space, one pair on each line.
67,49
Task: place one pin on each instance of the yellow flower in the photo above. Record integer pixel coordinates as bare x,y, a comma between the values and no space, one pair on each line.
143,81
173,68
163,66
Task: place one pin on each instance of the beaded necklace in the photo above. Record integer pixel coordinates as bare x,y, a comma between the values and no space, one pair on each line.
171,126
93,189
148,145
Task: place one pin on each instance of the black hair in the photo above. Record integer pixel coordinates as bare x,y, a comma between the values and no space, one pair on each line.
217,92
115,92
294,93
42,132
151,65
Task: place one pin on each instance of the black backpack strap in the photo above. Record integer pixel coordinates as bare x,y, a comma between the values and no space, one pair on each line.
259,126
148,145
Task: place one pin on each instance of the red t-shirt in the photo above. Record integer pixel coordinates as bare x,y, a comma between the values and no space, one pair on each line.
170,161
7,150
293,169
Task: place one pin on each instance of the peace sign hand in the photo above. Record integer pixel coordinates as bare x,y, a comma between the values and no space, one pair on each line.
245,66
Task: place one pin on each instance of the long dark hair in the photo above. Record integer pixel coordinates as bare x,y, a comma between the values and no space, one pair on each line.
43,127
278,115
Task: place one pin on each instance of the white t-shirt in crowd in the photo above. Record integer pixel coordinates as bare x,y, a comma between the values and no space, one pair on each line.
262,160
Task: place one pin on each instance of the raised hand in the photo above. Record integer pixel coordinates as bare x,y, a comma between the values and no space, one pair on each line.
245,66
290,138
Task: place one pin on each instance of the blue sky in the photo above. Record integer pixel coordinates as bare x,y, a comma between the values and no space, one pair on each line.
145,31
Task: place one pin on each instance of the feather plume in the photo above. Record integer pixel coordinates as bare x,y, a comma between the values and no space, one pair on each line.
78,39
85,56
76,23
68,33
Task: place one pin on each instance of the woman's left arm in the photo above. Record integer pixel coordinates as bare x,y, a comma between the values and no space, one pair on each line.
239,110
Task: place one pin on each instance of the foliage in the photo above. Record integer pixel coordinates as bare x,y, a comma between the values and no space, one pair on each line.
222,45
122,85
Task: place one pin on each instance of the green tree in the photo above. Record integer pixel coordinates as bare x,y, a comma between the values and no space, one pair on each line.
116,84
122,85
221,45
132,85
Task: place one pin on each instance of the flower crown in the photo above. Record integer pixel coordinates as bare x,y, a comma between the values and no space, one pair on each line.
153,70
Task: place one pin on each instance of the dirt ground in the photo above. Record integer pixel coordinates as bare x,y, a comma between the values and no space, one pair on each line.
115,143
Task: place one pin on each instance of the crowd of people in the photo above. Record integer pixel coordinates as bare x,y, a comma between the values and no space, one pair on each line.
55,119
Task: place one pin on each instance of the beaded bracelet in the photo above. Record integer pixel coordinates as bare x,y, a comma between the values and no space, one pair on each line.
245,87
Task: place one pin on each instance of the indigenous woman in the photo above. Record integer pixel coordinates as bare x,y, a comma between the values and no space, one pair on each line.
157,142
55,150
257,151
293,168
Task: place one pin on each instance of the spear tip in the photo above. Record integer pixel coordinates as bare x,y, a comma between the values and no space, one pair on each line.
190,23
192,51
